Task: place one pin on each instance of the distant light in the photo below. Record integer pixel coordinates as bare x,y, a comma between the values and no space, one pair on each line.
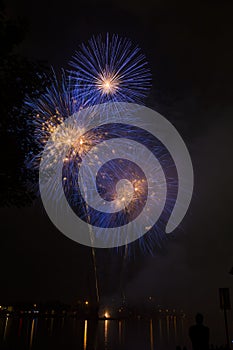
106,315
86,302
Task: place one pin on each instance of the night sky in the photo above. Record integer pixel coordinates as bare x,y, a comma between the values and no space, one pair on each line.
189,49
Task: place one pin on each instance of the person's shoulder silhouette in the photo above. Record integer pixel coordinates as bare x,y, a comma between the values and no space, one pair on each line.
199,334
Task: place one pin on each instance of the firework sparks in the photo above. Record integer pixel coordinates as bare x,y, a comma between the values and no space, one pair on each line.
107,83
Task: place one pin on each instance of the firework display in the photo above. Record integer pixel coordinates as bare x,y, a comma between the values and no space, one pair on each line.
110,171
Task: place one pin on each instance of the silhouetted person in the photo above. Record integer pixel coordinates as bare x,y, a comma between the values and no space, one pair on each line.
199,334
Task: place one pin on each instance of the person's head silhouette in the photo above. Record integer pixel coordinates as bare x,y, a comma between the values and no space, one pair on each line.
199,318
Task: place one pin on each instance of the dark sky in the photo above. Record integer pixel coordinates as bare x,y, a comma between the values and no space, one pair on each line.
189,48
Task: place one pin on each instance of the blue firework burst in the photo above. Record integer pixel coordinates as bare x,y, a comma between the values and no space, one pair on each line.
144,191
111,69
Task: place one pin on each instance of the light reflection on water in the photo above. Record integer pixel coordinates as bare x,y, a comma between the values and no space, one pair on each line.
70,333
85,336
151,335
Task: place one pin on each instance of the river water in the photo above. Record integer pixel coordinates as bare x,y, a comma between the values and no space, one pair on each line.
70,333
